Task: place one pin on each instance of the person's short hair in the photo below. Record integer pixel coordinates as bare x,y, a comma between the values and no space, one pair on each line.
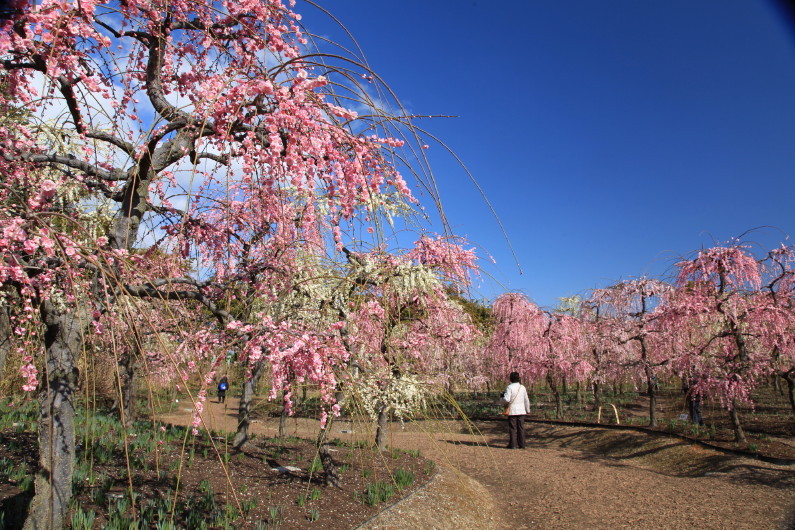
514,377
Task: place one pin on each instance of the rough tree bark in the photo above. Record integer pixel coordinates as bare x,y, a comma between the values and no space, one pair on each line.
777,387
329,468
244,411
5,337
789,377
553,386
381,429
63,339
739,434
651,386
283,420
597,400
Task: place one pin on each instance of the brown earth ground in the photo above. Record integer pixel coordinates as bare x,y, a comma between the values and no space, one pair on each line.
568,477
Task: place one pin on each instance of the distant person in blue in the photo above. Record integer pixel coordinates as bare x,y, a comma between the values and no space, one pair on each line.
223,386
519,405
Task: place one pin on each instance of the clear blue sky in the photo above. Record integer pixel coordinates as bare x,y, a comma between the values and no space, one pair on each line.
611,137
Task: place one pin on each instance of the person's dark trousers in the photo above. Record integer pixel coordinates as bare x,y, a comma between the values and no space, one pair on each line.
221,396
516,431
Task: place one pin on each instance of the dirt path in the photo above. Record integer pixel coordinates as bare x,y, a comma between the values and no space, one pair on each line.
566,478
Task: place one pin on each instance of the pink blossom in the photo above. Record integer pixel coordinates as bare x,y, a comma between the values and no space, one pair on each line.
47,188
31,245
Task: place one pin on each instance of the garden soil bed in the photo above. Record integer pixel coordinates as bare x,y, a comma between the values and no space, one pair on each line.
568,477
272,483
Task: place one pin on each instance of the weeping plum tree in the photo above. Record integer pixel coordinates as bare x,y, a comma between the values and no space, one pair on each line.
537,344
710,317
774,315
194,131
599,348
519,326
402,312
563,360
633,309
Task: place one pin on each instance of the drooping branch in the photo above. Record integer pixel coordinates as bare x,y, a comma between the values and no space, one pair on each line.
150,290
127,147
89,169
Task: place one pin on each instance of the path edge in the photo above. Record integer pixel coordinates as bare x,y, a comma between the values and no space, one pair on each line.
401,500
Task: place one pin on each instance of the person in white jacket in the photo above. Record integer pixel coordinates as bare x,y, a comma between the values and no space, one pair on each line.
516,396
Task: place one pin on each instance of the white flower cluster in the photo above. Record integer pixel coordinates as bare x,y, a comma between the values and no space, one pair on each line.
93,215
404,395
310,290
406,280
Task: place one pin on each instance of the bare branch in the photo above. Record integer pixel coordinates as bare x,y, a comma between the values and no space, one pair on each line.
89,169
127,147
150,291
154,84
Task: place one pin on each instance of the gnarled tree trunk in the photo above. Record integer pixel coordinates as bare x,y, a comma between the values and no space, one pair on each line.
381,429
651,386
5,337
739,435
330,470
244,411
775,379
597,399
283,420
789,377
62,340
558,398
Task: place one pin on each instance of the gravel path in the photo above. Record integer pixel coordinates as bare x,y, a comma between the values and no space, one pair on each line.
569,477
562,480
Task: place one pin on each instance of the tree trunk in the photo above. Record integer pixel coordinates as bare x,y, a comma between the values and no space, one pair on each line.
559,405
558,398
789,377
244,410
578,395
739,435
332,476
63,339
5,337
597,401
651,386
283,421
125,403
450,388
380,433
